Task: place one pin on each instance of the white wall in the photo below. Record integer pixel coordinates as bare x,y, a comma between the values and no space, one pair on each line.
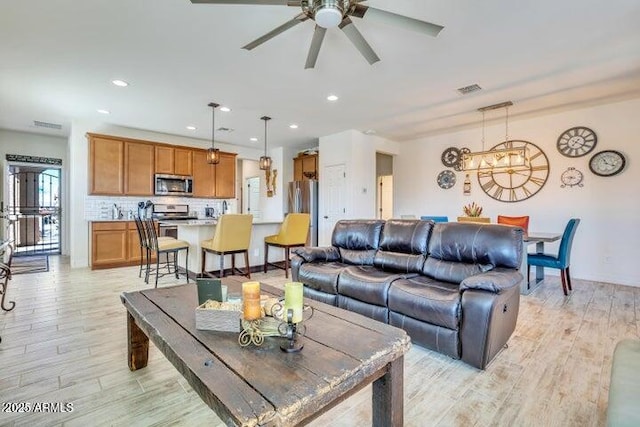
31,144
78,156
606,240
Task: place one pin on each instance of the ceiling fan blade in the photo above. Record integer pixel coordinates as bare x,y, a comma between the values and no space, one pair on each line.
358,41
275,2
314,49
362,11
271,34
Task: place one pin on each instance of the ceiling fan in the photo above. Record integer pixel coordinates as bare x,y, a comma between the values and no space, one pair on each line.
331,14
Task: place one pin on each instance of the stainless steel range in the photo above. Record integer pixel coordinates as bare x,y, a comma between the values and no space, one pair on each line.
170,212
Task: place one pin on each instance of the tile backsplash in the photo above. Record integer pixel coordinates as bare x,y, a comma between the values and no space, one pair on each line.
100,207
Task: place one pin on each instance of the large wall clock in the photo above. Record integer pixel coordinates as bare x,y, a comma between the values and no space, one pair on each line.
577,141
515,185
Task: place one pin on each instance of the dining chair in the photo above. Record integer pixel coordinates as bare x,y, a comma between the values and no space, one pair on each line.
162,246
293,233
5,276
560,261
232,236
519,221
435,218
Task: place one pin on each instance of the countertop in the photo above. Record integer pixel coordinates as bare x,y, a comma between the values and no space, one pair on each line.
209,221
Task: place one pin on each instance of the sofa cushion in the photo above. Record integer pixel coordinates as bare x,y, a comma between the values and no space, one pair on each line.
403,245
452,271
428,300
367,283
321,276
357,240
376,312
472,243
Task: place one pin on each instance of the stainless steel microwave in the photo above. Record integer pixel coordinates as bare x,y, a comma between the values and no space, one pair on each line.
173,185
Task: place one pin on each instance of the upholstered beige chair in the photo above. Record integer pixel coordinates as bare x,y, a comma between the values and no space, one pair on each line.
232,236
293,233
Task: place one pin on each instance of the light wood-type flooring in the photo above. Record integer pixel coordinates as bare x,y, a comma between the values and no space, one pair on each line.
66,342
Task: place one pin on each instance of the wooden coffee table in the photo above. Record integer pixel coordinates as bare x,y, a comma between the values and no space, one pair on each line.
250,386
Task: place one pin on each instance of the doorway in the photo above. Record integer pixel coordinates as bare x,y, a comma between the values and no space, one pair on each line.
252,186
384,181
33,208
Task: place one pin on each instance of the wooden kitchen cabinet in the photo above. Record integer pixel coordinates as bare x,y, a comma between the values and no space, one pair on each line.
226,176
138,169
109,244
106,165
214,181
173,160
305,167
204,180
114,244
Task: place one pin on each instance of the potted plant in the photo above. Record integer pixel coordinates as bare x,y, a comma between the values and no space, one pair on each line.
473,213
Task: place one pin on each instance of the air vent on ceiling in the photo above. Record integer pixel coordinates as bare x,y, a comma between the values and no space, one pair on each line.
223,129
468,89
39,124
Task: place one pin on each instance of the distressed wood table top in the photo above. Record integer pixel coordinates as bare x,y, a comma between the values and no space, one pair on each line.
249,386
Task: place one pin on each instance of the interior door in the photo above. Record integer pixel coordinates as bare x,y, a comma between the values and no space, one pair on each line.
385,197
252,186
334,191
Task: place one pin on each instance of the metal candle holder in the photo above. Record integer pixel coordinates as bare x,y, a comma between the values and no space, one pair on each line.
293,331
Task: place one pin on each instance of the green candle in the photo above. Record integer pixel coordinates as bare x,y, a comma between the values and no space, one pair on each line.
293,300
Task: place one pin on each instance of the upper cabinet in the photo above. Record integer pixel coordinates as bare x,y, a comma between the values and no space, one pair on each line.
123,166
305,167
214,181
174,160
106,165
138,168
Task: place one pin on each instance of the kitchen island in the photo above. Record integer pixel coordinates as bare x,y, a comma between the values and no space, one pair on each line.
196,230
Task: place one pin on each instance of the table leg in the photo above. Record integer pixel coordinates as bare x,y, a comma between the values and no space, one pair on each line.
388,398
138,345
539,269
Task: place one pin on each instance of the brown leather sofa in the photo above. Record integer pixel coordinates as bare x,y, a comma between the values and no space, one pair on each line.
454,287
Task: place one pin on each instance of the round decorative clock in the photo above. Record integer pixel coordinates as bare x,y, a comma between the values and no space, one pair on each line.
607,163
451,157
577,141
446,179
516,184
571,177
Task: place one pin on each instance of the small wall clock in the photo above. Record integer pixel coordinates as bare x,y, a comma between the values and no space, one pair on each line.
451,157
515,185
446,179
577,141
607,163
572,177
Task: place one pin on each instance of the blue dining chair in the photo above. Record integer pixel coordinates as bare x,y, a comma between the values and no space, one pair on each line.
562,260
435,218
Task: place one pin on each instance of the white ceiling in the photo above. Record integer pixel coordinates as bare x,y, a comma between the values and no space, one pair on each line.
57,60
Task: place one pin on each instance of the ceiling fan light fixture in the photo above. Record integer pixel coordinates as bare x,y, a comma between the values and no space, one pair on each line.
328,16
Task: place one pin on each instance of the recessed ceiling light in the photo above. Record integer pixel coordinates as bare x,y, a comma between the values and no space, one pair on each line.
192,127
293,126
225,109
120,83
332,98
101,111
253,139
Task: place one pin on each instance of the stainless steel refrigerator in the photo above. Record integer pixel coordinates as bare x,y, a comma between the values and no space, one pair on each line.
303,198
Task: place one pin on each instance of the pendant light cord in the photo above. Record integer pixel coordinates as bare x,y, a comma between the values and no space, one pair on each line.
213,106
506,126
483,131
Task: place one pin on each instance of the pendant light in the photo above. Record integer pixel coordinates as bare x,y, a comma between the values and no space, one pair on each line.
213,154
265,161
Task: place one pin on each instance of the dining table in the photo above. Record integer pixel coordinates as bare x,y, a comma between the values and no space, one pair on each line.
539,238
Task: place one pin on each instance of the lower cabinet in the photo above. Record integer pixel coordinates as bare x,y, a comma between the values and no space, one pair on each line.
114,244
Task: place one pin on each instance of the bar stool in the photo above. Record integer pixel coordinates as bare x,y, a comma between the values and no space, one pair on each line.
167,247
293,233
232,236
144,243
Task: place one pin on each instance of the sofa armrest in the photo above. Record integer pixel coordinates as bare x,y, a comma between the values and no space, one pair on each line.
495,281
318,254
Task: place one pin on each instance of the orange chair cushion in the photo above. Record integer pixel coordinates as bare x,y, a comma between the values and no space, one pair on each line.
519,221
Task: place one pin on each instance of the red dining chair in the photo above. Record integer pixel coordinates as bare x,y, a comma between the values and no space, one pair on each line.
519,221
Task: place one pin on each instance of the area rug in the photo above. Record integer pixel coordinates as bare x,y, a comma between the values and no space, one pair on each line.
30,264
